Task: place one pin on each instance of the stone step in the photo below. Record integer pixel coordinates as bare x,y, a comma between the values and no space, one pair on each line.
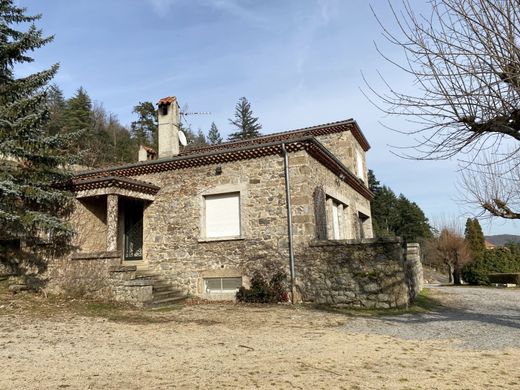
165,302
163,287
167,294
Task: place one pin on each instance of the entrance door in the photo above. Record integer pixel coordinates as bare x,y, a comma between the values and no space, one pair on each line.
133,216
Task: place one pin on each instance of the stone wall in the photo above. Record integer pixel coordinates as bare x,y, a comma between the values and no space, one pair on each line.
362,273
89,218
344,147
98,275
174,244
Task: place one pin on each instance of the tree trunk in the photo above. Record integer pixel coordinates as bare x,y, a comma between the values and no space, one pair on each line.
456,277
450,273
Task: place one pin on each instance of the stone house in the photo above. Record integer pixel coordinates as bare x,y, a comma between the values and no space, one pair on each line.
201,220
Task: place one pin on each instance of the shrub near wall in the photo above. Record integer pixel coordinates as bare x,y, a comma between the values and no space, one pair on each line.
498,260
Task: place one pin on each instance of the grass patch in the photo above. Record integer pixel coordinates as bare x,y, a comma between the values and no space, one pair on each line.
116,312
424,303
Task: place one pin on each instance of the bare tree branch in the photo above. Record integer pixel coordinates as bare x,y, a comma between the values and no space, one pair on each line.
464,59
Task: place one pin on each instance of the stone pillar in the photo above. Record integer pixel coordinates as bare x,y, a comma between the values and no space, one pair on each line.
112,211
330,228
414,270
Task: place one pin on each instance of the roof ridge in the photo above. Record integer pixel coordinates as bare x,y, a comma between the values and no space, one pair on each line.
258,139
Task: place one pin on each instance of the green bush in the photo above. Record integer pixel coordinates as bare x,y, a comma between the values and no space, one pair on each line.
264,291
498,260
513,278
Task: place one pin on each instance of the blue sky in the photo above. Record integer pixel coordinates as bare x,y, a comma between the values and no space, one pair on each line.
299,62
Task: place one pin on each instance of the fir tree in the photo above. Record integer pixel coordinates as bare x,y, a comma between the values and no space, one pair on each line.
214,137
474,237
396,216
412,223
32,161
246,124
144,129
56,104
373,184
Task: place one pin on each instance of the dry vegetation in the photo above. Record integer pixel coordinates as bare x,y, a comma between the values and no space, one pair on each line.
46,343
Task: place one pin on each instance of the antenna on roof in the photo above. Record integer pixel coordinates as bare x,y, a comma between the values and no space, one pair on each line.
196,113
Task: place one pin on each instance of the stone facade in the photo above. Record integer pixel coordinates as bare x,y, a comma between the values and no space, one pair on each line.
362,273
175,244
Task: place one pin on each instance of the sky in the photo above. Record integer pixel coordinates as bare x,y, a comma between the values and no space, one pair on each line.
299,62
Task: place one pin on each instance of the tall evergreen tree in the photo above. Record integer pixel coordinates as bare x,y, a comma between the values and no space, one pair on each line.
396,216
56,104
474,237
246,124
31,160
144,129
412,224
214,137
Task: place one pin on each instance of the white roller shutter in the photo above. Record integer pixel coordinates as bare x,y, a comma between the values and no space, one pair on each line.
223,215
359,164
335,221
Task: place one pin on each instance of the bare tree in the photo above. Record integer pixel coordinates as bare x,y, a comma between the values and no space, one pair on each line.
465,61
493,185
451,250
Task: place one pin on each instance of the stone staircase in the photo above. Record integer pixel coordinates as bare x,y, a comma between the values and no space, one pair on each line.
164,294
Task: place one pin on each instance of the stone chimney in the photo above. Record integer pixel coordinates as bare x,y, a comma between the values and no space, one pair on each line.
169,120
146,153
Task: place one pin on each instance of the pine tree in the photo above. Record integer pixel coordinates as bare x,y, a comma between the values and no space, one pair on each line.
144,129
246,124
31,207
373,184
214,137
56,104
396,216
412,223
474,237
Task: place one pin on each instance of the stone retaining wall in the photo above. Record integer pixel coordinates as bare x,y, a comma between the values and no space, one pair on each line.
362,273
98,275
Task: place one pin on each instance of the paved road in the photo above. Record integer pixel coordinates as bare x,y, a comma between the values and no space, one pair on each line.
474,318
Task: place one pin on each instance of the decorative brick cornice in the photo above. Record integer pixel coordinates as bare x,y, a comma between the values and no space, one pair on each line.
310,144
93,183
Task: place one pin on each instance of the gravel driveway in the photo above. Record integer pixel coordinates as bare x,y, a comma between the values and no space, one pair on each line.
473,317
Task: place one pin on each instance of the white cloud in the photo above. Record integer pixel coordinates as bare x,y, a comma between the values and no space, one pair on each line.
161,7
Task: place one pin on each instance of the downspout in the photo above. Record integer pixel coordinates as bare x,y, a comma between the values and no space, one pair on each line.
289,220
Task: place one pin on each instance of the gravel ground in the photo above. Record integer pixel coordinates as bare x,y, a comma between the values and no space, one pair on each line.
471,317
51,345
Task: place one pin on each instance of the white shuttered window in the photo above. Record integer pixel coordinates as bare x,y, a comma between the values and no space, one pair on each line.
359,165
222,215
335,220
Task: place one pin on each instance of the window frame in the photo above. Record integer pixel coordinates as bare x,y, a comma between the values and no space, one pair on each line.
360,165
241,190
221,291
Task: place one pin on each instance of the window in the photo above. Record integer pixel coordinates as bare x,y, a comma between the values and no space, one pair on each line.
222,215
222,285
359,165
336,219
362,222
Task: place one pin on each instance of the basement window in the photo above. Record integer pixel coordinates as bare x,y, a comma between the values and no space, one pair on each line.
222,285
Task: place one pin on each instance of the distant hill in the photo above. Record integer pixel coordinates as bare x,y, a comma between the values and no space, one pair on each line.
502,239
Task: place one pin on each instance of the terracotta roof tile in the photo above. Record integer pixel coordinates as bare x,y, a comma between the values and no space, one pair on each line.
167,100
313,131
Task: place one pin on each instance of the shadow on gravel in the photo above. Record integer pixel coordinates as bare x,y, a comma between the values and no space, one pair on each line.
446,313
